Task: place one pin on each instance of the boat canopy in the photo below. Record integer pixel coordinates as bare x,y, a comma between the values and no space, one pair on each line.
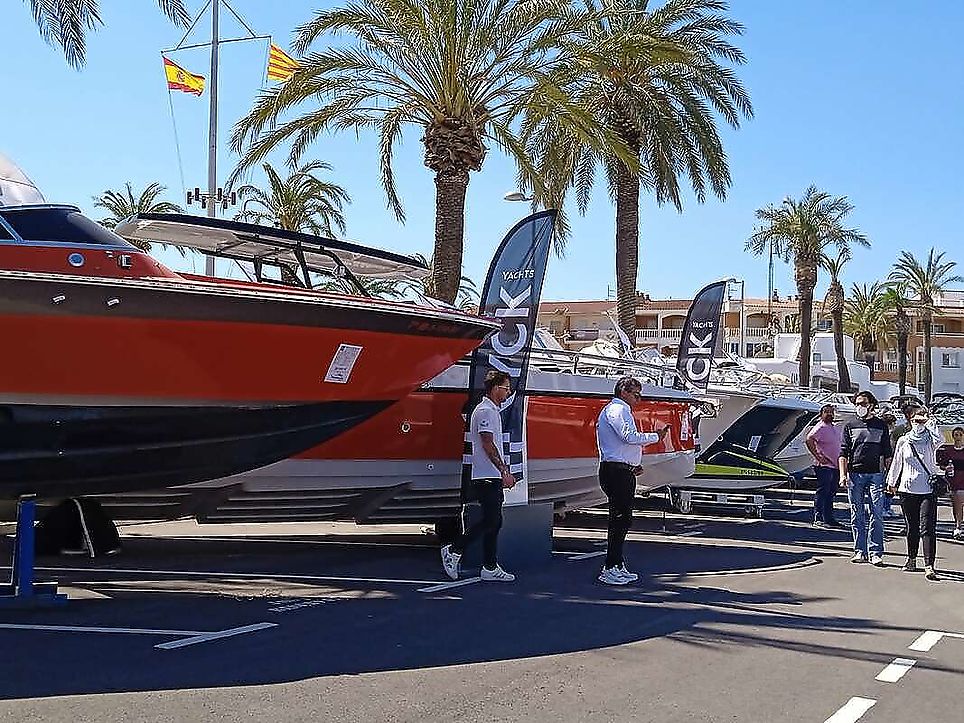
267,246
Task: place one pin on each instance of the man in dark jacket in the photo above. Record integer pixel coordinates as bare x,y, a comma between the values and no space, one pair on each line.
865,452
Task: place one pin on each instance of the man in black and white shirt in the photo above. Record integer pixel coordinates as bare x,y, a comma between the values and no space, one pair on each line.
865,453
490,476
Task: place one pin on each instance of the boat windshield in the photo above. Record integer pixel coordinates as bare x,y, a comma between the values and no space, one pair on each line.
59,224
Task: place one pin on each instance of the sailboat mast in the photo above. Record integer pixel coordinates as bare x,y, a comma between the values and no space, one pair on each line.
213,127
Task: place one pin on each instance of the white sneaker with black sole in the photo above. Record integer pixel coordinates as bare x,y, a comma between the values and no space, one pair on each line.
877,560
496,575
450,562
612,576
858,557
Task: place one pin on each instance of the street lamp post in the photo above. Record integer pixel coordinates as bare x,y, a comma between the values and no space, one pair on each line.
742,283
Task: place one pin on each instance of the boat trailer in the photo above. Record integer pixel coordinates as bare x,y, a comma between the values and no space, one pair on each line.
686,500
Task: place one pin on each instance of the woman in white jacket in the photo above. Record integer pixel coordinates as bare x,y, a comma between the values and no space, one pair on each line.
915,460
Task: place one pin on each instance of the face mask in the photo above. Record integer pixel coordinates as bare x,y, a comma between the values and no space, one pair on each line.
862,410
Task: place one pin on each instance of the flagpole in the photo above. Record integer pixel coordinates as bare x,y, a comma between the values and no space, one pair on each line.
213,128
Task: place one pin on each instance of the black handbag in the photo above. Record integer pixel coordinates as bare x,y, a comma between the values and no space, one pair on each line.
938,481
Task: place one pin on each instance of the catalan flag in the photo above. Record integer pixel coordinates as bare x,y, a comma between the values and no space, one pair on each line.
180,79
280,64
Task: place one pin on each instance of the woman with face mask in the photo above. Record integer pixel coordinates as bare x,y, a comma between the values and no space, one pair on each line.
951,458
915,461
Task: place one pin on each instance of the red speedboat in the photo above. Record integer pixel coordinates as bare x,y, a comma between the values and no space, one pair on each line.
403,464
119,374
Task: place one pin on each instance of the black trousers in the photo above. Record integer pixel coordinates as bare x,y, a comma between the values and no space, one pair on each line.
619,483
490,496
920,513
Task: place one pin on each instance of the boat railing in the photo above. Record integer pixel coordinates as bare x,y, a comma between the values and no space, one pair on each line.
574,362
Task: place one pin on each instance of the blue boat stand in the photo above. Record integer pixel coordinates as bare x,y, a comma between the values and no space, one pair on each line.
23,591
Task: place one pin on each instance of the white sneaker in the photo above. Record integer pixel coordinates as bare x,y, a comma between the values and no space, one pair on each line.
450,562
877,560
630,576
612,576
858,557
496,575
958,533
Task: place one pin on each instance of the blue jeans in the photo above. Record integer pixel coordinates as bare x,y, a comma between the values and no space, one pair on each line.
827,479
860,484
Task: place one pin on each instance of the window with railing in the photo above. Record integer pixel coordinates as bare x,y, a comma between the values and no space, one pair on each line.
950,360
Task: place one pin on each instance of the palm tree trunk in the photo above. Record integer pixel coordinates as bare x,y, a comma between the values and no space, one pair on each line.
928,372
450,187
805,302
902,363
843,371
627,248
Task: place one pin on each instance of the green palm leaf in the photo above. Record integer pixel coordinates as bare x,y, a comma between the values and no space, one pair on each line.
65,23
124,204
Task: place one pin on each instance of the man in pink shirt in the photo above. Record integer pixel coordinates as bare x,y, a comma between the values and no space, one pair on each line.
823,441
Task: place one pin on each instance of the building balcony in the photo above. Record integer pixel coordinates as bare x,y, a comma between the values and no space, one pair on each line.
644,336
673,336
890,367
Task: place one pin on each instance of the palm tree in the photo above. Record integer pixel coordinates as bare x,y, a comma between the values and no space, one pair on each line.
300,202
800,231
893,304
123,204
654,78
65,23
862,318
925,283
835,299
459,71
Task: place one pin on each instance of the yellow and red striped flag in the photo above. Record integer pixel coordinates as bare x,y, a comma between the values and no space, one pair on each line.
280,64
180,79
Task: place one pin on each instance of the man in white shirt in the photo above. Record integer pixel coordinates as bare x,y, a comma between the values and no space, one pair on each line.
620,454
490,475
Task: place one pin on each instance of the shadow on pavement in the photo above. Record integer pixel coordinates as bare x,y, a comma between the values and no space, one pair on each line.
387,627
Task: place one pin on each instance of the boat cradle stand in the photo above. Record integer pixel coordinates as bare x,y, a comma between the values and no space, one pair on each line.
23,591
685,500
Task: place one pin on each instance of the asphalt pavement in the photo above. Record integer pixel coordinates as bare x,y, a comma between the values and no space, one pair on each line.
733,619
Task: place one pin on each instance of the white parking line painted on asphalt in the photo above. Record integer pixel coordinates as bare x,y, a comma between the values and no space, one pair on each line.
690,534
929,638
896,670
245,538
587,555
234,575
207,637
85,629
852,710
450,585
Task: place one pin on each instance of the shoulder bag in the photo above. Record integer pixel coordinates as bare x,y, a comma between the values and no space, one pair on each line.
938,481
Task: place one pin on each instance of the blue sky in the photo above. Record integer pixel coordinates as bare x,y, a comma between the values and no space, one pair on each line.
861,98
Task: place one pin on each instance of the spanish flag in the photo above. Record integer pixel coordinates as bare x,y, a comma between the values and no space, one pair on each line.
180,79
280,64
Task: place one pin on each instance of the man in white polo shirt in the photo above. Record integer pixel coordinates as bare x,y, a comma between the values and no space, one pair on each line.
620,454
490,475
